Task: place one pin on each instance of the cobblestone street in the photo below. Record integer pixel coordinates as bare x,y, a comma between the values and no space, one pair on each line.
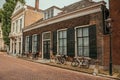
12,68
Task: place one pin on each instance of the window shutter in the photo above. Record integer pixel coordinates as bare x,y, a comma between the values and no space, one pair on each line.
30,44
71,42
23,45
55,42
92,42
38,42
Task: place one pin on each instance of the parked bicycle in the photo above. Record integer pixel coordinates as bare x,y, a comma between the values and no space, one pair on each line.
81,62
60,59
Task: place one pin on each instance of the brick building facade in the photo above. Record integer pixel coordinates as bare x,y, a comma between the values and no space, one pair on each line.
115,24
76,31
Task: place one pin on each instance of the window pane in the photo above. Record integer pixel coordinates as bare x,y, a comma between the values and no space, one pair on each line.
64,34
80,51
79,32
60,34
80,43
60,42
64,42
86,41
86,51
46,36
35,37
60,50
85,31
65,50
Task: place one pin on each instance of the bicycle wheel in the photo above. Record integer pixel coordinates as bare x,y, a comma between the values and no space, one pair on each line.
75,63
56,60
86,64
62,60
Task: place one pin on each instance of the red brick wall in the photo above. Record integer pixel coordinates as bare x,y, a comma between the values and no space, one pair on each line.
115,16
106,50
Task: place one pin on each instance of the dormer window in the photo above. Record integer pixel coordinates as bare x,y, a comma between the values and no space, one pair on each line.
48,13
51,12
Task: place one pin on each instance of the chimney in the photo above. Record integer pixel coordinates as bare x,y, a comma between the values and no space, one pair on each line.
37,4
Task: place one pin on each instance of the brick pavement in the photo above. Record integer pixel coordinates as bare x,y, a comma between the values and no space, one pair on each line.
12,68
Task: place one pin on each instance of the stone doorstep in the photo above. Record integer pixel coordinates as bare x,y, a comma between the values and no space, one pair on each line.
50,63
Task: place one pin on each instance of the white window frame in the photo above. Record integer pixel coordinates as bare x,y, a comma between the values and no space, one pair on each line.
45,40
76,49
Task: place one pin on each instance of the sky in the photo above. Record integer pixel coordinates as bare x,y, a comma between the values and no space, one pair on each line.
44,4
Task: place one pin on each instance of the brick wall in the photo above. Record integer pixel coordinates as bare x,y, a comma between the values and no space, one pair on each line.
106,50
92,19
32,16
115,16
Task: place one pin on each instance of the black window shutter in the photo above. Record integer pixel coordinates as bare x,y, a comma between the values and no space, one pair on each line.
30,44
71,42
55,42
38,42
92,42
23,47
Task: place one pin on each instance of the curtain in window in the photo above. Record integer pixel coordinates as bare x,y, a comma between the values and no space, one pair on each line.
62,42
82,41
27,44
34,43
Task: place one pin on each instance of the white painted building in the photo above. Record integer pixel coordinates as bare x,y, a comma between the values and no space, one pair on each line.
22,16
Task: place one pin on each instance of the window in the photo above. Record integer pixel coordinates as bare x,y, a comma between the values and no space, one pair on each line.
34,43
16,25
27,44
20,25
13,28
52,10
62,42
82,41
45,15
0,33
48,14
46,36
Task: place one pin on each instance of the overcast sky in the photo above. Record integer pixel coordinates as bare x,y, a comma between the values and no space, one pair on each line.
44,4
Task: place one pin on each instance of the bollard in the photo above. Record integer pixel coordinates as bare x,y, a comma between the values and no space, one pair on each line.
96,69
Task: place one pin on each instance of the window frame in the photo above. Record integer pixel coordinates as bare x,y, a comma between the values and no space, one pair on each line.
58,43
76,41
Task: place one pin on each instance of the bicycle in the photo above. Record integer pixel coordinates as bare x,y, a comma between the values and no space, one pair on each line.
81,61
60,59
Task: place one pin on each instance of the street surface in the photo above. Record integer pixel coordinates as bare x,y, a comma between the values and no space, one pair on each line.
12,68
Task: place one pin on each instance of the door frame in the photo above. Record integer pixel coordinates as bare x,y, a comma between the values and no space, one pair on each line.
45,40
